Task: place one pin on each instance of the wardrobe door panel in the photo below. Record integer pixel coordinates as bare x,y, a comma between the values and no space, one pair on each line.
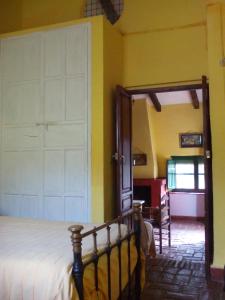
10,205
76,51
45,143
19,138
22,57
54,208
31,206
75,173
22,172
54,95
54,52
22,103
76,103
54,173
75,209
32,57
65,135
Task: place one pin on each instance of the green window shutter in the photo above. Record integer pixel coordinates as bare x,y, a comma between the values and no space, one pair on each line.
171,174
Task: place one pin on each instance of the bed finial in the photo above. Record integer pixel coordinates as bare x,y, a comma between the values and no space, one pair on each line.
78,268
76,237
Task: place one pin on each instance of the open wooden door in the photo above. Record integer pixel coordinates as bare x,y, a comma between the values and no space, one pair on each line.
123,154
208,177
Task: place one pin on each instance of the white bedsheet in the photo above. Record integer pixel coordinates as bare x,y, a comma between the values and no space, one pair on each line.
36,258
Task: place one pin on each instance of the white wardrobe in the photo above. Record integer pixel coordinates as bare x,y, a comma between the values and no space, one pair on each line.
45,124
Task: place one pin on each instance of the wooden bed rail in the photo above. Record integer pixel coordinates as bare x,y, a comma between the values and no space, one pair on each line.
133,221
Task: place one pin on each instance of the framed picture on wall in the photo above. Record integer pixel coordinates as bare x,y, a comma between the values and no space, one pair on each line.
188,140
139,159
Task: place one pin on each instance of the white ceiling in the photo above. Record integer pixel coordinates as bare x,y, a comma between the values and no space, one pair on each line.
170,98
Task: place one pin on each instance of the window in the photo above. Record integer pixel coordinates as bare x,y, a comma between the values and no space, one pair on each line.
186,173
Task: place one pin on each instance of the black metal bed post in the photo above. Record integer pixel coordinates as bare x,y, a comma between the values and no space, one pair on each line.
78,268
137,230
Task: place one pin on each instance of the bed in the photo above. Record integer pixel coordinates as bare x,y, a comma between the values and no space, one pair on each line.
37,261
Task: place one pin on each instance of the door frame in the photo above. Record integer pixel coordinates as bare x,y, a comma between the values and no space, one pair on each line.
209,245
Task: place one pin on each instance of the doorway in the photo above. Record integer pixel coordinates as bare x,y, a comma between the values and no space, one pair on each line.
194,91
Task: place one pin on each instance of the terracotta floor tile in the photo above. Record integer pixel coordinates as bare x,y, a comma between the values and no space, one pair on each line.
178,273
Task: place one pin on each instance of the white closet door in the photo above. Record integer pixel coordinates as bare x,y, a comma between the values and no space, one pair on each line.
45,125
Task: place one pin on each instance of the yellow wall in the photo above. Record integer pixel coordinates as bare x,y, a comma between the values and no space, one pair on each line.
46,12
153,141
165,57
168,124
147,15
113,74
22,14
164,42
97,139
143,140
10,15
216,42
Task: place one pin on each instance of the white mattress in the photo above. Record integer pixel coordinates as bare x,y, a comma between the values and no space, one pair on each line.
36,258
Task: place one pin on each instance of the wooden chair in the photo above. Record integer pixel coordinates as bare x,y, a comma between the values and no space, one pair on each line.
159,217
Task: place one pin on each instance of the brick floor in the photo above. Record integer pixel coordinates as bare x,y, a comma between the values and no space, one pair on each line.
179,272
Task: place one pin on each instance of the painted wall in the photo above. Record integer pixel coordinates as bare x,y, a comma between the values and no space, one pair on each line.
186,204
168,124
10,15
147,15
153,140
97,140
216,51
162,44
165,57
113,75
143,139
23,14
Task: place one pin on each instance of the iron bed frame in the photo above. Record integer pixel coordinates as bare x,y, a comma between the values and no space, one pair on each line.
133,221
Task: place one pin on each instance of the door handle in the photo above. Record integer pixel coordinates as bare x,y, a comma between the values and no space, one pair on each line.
122,157
115,156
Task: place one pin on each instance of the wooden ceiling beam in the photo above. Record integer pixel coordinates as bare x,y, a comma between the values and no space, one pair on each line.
155,101
194,99
109,10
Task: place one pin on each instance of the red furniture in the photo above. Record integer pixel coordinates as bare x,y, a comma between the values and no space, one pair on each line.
156,208
157,189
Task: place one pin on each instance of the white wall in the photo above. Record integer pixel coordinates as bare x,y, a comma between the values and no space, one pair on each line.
187,204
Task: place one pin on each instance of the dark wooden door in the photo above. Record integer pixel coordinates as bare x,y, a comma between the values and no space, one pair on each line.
208,177
123,154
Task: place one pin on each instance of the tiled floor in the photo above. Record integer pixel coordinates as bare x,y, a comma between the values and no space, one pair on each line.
178,273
